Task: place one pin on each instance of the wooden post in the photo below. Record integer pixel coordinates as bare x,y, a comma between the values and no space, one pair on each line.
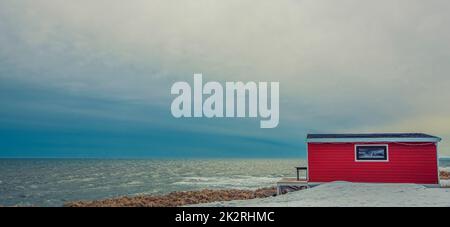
298,170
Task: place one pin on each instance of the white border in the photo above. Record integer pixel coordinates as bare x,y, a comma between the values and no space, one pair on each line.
370,145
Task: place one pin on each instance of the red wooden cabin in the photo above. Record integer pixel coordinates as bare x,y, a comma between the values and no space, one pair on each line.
373,158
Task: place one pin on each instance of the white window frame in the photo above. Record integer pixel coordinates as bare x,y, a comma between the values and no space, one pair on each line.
371,145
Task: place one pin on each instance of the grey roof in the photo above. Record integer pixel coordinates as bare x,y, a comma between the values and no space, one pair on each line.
373,137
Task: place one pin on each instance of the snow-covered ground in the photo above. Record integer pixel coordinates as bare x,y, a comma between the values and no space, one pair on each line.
344,194
445,183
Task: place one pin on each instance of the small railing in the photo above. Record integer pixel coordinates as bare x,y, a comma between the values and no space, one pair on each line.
299,168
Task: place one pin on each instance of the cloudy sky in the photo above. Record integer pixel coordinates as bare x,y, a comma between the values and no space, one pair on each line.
92,78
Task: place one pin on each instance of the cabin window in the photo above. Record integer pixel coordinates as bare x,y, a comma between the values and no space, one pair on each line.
371,153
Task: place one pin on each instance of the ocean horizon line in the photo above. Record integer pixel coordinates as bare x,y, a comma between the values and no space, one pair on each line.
154,158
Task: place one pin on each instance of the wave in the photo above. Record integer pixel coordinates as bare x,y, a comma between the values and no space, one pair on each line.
234,182
76,180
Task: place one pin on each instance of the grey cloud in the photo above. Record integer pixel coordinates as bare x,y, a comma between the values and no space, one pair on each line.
342,65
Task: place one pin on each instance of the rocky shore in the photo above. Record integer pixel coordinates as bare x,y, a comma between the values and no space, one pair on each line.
176,199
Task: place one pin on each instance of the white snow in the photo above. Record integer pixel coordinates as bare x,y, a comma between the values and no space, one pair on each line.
445,183
345,194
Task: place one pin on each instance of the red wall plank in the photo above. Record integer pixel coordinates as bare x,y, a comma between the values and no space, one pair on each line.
408,163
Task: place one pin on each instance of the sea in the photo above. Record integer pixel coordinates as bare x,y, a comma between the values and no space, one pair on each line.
54,182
